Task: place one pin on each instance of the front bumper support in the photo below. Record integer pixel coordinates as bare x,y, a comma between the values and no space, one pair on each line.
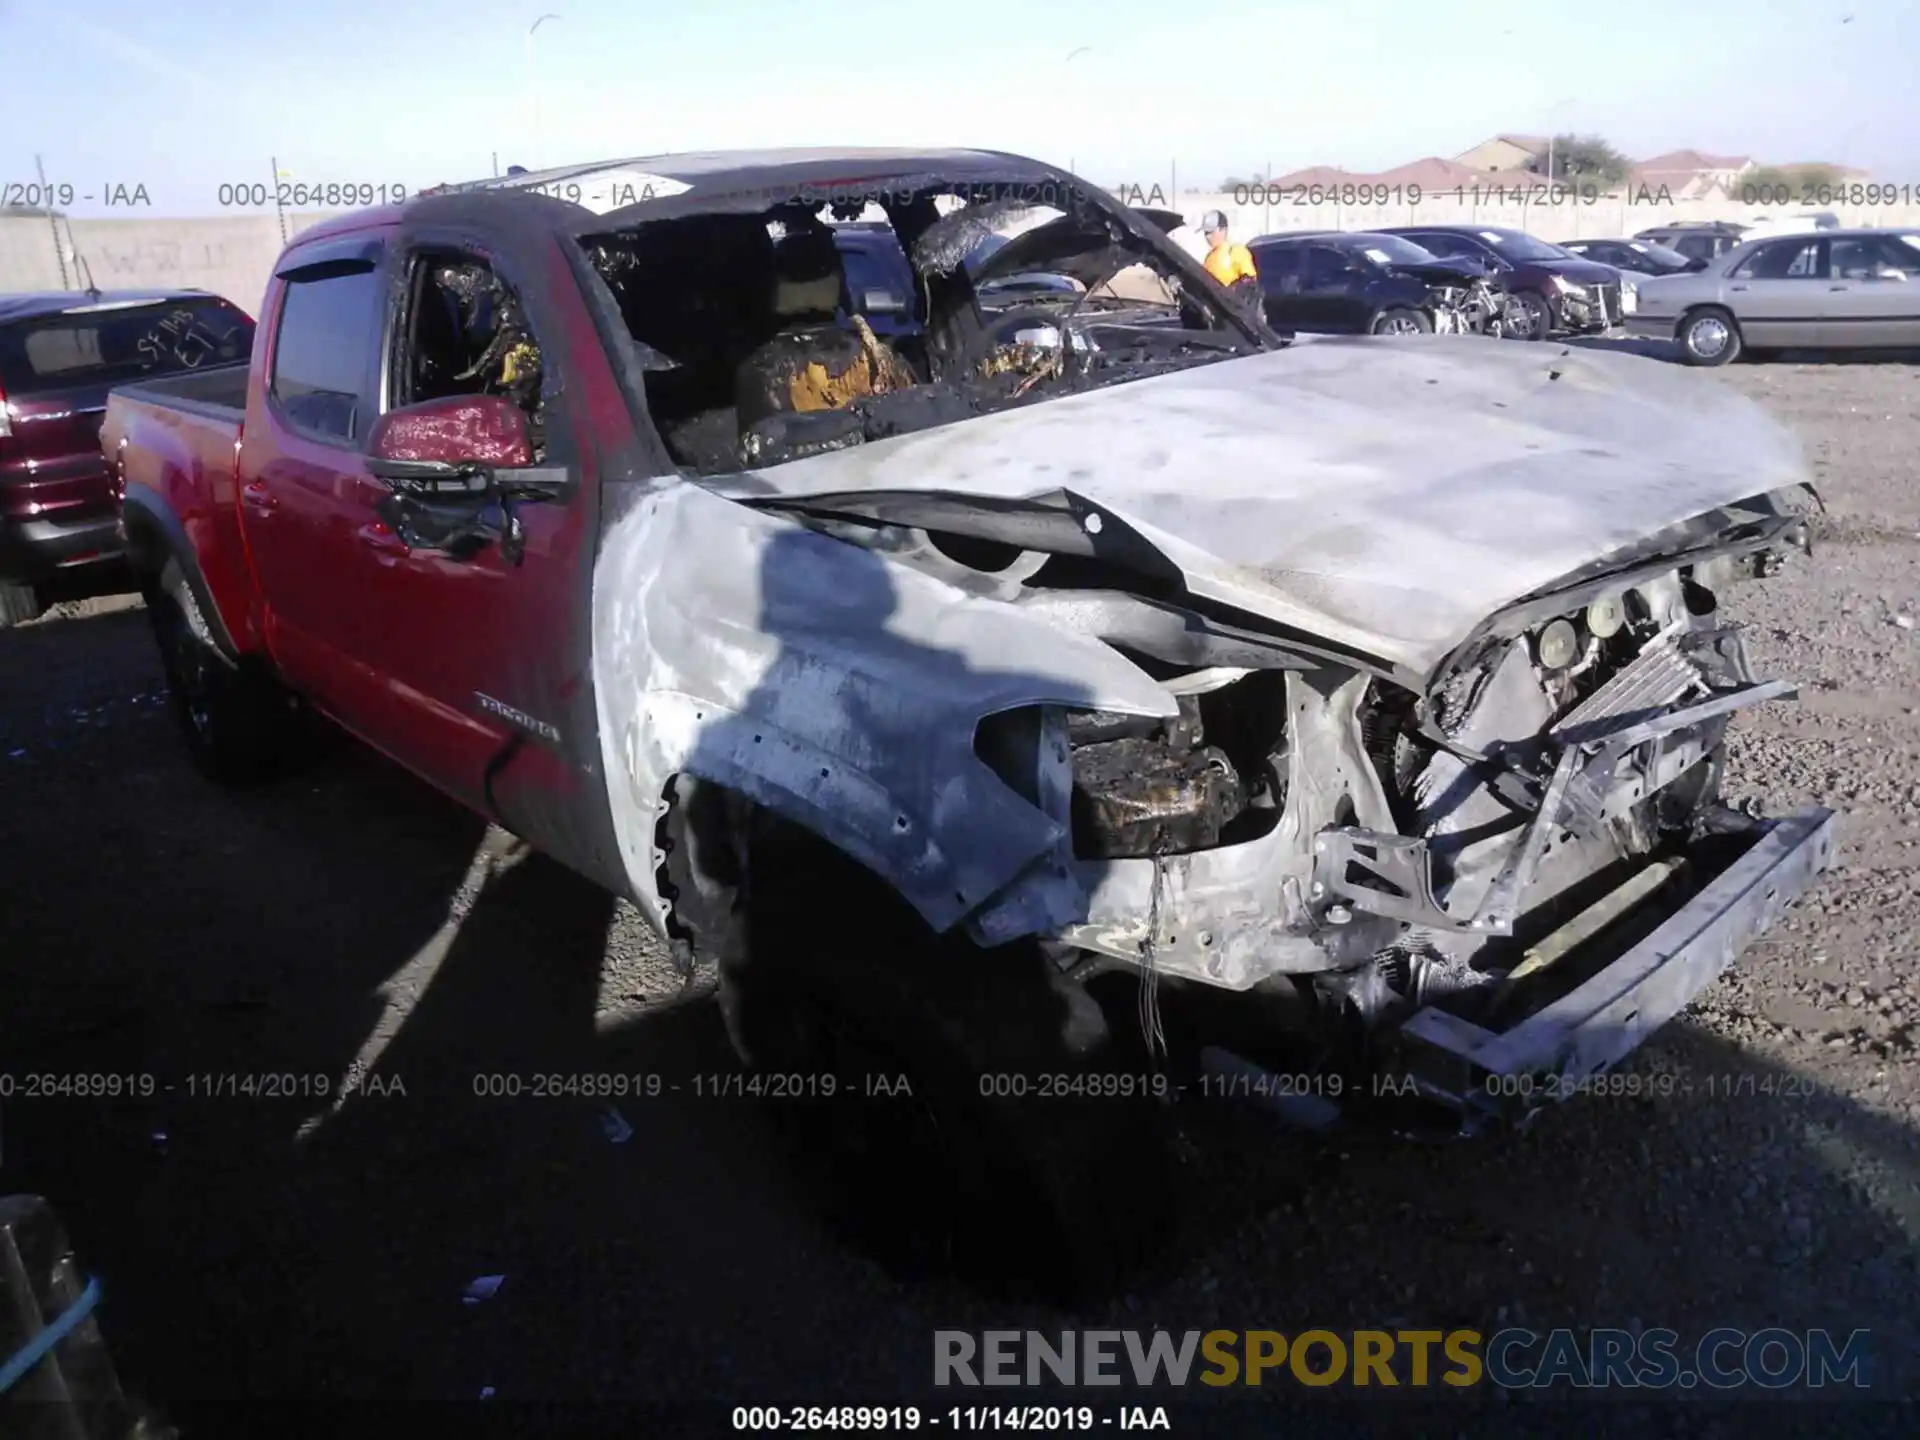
1606,763
1508,1074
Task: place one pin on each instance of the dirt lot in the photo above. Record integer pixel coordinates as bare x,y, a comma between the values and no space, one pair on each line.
270,1248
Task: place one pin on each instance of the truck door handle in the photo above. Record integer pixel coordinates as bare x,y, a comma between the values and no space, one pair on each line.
1837,287
1736,287
376,536
255,496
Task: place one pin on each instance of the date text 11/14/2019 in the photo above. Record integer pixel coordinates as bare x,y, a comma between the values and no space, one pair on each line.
894,1419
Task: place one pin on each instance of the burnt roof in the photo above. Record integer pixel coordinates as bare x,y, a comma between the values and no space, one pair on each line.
710,182
744,180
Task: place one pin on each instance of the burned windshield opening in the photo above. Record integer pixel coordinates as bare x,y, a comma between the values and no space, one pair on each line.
822,321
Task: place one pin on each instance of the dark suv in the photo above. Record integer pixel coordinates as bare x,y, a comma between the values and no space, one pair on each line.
59,355
879,282
1333,283
1548,290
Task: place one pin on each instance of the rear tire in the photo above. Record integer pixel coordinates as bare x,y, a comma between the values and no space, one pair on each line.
240,725
1402,321
19,604
1708,336
1011,1158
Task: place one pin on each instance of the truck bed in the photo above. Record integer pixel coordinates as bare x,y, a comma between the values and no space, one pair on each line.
173,445
220,393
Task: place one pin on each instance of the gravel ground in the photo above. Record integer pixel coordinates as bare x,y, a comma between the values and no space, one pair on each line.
284,1249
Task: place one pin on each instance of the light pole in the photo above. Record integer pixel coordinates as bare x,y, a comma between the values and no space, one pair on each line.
1552,109
1073,55
533,89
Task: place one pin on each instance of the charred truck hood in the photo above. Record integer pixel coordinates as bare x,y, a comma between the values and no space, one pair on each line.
1384,500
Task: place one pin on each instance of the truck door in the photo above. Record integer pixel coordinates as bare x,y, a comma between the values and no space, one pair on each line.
304,486
472,651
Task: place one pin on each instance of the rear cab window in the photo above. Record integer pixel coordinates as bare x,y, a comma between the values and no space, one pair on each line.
120,342
330,317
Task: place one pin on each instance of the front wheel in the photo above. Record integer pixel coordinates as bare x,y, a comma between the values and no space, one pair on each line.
960,1111
1528,316
1709,336
1402,321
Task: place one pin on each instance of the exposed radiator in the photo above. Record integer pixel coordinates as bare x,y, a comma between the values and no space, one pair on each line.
1660,676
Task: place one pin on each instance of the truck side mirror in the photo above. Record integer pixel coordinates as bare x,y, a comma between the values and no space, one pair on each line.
451,445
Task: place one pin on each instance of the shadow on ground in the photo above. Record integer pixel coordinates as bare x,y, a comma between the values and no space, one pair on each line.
157,927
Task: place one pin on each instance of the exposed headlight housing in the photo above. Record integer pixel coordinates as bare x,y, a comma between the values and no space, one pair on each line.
1567,287
1557,645
1606,615
1129,786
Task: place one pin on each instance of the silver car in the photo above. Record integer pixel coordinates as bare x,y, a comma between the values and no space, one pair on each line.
1834,289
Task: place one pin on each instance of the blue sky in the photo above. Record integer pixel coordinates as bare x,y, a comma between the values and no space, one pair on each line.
184,98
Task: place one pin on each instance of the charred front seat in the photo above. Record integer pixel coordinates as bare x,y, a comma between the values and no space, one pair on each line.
811,363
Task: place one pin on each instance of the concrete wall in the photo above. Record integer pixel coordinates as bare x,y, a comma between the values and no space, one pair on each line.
233,255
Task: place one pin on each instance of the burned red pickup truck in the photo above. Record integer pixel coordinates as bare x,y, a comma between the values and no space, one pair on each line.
1052,704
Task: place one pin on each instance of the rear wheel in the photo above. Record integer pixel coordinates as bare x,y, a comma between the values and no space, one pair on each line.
1708,336
983,1120
239,724
19,604
1402,321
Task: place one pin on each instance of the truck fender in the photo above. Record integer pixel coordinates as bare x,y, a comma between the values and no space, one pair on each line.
155,535
836,687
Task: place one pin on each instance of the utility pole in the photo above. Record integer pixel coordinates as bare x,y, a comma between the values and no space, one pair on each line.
279,209
53,222
533,90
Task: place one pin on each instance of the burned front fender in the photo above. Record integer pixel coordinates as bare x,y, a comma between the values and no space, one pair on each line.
834,686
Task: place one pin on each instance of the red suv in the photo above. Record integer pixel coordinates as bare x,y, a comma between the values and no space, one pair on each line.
59,355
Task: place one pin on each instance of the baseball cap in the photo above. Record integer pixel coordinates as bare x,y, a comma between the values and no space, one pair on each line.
1213,220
